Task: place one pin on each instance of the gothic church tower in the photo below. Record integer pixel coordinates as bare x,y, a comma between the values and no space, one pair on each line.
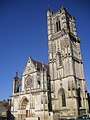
68,88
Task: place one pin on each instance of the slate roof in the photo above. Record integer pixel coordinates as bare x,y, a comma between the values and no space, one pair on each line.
40,65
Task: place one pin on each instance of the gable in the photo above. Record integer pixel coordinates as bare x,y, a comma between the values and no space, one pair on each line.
30,67
33,66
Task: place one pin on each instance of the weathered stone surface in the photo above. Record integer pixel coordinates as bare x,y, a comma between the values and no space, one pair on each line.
59,90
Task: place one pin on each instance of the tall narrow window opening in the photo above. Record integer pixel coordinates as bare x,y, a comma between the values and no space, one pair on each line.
58,27
63,99
79,97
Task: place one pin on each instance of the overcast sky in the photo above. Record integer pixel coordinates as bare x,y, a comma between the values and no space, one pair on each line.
23,33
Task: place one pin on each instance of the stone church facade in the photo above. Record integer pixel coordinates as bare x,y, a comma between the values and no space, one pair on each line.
58,89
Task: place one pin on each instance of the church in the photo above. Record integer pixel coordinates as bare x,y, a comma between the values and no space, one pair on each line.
57,90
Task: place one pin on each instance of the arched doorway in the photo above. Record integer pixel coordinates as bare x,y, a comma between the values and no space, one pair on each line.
24,108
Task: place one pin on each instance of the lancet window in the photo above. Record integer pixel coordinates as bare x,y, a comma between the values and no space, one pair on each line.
58,27
62,98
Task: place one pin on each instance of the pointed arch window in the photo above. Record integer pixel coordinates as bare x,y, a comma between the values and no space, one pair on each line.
58,26
62,98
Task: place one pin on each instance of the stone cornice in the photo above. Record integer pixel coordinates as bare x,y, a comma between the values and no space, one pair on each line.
29,91
69,76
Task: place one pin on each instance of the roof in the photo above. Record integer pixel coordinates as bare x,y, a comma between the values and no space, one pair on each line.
40,65
6,104
3,110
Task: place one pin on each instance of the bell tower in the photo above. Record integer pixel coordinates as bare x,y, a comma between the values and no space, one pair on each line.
68,87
